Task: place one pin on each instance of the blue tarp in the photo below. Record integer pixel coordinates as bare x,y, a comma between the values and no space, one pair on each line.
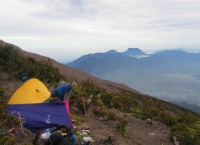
42,115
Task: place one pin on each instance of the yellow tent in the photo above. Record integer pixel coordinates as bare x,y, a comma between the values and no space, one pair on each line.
32,91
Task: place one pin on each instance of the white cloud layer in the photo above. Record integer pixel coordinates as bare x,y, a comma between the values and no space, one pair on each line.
68,29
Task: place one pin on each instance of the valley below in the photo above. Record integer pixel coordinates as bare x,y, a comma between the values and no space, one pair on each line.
178,88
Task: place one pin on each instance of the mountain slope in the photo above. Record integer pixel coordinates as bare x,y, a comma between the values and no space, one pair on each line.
141,132
120,108
72,73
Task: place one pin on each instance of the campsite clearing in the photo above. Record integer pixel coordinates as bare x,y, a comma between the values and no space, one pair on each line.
102,132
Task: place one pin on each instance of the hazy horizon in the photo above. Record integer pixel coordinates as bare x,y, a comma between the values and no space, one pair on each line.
68,29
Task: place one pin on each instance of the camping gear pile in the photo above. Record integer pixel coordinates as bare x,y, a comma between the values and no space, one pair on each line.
85,136
61,135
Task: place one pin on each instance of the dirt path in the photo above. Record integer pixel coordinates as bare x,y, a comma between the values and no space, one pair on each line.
140,132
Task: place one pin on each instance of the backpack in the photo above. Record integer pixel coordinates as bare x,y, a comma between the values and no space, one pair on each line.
69,139
56,138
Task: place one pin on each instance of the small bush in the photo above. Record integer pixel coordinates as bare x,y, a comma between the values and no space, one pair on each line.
139,114
123,127
5,121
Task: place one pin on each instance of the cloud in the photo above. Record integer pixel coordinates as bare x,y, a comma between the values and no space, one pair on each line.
110,15
100,25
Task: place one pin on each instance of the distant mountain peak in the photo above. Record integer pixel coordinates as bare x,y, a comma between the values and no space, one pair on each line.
133,49
111,51
169,51
133,52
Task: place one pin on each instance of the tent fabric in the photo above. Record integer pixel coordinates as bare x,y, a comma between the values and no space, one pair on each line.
32,102
42,115
32,91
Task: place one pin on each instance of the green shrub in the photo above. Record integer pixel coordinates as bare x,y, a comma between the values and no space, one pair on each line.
12,61
139,114
168,119
123,127
5,121
6,140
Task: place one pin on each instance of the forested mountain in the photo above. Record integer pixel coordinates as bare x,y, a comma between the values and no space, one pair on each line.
172,75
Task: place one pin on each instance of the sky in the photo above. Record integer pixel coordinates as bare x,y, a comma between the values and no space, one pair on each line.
68,29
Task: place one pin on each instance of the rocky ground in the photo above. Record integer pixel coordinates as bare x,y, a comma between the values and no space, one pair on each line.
102,132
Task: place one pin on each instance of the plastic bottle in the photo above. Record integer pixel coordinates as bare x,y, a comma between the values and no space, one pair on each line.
48,133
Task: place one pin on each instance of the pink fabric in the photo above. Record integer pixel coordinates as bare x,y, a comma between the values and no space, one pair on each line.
67,108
